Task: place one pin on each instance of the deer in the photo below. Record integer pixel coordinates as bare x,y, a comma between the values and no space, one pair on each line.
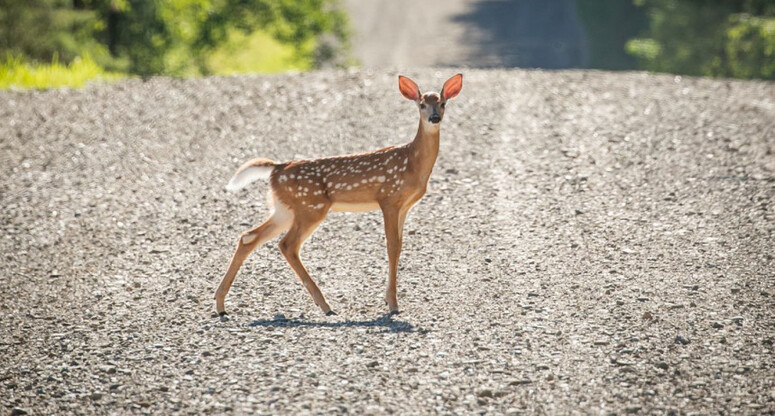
302,192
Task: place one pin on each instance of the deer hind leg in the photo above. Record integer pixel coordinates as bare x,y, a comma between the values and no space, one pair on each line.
278,222
290,245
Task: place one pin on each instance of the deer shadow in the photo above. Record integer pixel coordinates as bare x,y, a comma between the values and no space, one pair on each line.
386,322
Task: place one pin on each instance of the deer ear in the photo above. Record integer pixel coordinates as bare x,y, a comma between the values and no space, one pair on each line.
452,87
408,88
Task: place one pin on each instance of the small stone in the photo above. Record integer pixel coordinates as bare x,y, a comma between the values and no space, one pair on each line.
95,396
662,365
632,409
520,382
485,393
110,369
19,411
737,319
717,325
647,316
681,340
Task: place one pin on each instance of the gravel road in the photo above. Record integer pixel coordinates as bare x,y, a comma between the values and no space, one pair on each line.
467,33
591,242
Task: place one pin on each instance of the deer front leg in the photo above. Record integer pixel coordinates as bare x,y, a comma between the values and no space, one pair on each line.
394,230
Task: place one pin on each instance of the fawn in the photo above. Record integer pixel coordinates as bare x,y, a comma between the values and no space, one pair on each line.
302,192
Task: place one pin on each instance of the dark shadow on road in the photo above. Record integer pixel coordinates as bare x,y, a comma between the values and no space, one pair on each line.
385,321
525,33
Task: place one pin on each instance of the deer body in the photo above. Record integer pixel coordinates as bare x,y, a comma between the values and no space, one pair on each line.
302,192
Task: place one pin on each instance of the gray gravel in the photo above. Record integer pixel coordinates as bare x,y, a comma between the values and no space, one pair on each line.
590,243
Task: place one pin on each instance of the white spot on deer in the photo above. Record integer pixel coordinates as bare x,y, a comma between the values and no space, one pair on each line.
319,206
292,176
349,187
380,179
364,180
406,159
330,184
248,238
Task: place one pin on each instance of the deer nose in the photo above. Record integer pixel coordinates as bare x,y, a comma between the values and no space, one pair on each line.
435,118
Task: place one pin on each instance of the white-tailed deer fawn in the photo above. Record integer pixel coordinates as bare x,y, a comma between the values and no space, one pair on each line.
302,192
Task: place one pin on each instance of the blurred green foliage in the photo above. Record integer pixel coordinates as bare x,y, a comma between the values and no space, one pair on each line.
172,37
720,38
18,72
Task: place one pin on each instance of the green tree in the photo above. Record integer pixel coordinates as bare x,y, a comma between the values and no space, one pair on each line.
294,22
47,29
148,37
708,38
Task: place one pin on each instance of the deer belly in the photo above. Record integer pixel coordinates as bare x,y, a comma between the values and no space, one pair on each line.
354,206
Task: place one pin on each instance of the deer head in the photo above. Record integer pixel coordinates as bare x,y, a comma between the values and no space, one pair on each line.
431,104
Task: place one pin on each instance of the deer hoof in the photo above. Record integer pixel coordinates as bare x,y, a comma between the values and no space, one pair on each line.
394,312
222,313
330,313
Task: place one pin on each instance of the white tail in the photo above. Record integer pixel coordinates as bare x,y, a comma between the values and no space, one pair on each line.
251,171
392,179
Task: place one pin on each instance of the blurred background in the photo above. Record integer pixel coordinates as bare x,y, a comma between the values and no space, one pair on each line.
49,43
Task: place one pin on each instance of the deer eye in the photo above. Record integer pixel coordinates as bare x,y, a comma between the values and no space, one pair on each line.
443,105
422,105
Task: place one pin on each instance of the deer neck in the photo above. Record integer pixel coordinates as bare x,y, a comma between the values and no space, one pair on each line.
425,147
